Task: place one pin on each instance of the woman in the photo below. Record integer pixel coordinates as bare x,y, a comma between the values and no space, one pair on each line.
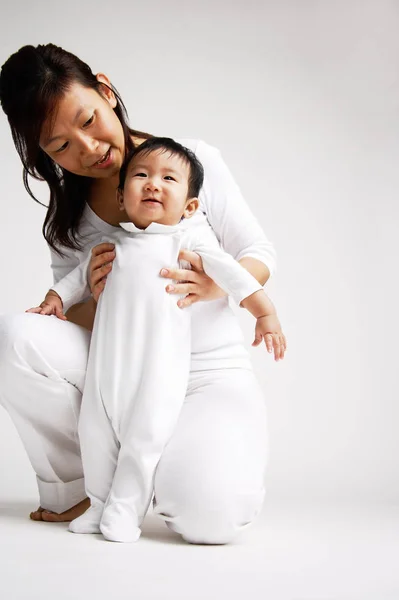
70,129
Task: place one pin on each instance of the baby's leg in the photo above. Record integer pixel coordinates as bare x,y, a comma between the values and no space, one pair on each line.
147,427
99,447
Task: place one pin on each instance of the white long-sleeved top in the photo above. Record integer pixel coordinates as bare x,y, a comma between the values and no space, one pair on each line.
239,234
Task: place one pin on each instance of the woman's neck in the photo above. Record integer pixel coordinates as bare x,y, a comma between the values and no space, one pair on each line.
102,199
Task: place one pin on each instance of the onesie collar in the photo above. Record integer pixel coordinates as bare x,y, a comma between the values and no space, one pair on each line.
152,228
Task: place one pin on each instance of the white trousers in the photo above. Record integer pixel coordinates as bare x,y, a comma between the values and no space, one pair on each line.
209,482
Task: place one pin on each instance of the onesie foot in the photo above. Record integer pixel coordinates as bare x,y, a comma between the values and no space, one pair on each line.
119,524
89,522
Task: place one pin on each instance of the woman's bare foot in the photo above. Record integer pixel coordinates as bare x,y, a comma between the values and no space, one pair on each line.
41,514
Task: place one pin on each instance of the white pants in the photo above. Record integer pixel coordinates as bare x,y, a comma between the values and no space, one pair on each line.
209,482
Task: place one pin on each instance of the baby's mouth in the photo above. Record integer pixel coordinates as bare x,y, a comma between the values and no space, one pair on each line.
152,201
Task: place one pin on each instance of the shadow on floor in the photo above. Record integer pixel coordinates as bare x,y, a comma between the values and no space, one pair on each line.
155,529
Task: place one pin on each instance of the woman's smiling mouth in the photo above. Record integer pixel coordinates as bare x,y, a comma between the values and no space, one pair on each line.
104,161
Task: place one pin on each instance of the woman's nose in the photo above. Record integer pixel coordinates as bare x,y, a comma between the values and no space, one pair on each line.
88,144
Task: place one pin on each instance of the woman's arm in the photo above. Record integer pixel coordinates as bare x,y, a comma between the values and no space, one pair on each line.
74,288
102,256
230,217
83,314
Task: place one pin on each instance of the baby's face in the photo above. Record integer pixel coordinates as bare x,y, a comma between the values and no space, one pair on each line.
156,188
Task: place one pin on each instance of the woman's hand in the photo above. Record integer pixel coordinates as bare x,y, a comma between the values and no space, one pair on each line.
194,282
51,305
100,266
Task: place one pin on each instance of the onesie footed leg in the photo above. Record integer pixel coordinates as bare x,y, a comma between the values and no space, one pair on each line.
119,523
89,522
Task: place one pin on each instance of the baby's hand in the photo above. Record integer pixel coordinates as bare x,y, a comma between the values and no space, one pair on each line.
51,305
269,329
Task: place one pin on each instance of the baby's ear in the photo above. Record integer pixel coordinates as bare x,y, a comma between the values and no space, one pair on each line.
119,197
191,208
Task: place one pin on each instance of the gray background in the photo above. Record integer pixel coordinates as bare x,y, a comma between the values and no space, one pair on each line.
302,99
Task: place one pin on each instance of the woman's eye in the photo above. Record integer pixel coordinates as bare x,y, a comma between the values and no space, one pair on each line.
62,147
89,121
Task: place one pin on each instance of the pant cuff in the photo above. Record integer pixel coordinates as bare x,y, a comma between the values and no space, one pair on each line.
59,497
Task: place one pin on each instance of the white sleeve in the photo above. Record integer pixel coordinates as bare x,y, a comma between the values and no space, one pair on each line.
74,288
62,265
70,272
228,214
225,271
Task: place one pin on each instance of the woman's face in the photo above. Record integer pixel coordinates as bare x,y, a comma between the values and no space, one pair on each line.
86,136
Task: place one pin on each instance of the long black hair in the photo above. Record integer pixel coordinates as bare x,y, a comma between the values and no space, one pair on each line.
32,81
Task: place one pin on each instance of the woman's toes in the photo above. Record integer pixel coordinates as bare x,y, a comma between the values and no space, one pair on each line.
42,514
36,515
51,517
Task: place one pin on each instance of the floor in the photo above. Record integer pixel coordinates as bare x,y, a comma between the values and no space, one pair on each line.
327,553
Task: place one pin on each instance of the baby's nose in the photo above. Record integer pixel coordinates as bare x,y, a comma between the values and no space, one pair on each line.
152,184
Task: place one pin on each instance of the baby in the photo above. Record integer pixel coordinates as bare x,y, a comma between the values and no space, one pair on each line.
139,358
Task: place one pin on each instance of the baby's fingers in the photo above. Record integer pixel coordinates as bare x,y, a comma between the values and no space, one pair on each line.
280,349
36,309
258,339
283,346
277,348
269,342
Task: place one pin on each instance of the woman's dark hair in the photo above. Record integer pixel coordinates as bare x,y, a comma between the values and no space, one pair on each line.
32,81
196,178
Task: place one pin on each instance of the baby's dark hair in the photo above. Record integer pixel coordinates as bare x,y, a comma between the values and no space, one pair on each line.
196,177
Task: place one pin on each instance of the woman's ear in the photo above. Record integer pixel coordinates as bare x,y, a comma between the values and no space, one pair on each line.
119,197
106,89
191,208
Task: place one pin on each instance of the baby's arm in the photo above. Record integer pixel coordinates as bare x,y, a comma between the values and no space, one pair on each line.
228,274
267,327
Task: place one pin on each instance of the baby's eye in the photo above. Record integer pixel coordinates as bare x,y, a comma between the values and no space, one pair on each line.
63,147
169,178
140,175
89,121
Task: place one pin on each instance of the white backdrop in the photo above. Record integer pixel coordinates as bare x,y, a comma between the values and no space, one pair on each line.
302,99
